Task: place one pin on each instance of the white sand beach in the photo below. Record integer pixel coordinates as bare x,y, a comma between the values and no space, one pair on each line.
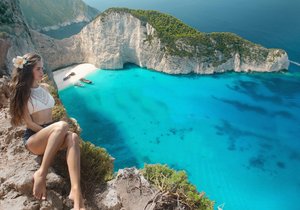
80,70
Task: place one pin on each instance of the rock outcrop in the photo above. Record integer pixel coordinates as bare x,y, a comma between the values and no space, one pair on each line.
15,37
17,166
118,36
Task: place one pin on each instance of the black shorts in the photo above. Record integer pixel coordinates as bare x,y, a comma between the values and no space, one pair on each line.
28,132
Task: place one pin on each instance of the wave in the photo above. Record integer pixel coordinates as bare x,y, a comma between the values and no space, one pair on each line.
294,62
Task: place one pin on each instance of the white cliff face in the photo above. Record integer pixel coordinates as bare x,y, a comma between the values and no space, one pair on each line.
116,38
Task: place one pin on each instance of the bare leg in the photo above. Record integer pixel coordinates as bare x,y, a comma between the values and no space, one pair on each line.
73,160
54,142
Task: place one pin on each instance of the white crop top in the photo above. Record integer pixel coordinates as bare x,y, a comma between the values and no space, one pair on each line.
39,99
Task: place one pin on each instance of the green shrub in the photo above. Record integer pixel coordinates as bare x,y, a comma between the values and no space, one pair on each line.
96,164
6,16
176,184
58,112
74,126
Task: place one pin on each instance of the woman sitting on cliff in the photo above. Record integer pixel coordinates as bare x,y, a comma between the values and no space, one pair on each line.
32,103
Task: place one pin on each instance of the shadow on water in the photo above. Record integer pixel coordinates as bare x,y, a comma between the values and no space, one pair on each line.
259,110
265,159
257,162
234,134
280,84
103,132
283,88
266,163
250,89
243,106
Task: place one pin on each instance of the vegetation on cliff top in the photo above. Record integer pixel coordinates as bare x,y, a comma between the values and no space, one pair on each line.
6,15
96,163
182,40
175,186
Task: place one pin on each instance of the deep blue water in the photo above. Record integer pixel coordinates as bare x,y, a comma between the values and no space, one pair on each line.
271,23
236,135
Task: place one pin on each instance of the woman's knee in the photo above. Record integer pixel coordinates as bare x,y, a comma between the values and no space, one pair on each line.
61,126
73,140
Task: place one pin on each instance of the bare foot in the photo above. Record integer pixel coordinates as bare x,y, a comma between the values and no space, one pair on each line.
76,196
39,185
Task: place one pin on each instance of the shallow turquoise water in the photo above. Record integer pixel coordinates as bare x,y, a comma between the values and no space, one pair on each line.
236,135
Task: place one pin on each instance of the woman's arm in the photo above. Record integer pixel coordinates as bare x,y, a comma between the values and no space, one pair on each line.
28,121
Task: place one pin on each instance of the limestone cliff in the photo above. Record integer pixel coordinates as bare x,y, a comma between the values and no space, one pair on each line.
118,36
121,35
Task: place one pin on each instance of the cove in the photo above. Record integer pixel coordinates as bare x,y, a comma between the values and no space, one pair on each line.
235,134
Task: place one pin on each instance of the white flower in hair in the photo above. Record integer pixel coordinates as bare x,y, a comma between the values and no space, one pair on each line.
19,62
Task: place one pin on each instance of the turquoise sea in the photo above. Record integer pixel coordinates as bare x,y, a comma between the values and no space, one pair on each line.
236,134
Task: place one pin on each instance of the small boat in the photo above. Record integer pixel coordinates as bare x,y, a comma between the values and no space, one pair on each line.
66,77
85,80
78,84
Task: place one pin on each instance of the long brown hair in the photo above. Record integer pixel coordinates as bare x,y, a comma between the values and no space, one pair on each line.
21,82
